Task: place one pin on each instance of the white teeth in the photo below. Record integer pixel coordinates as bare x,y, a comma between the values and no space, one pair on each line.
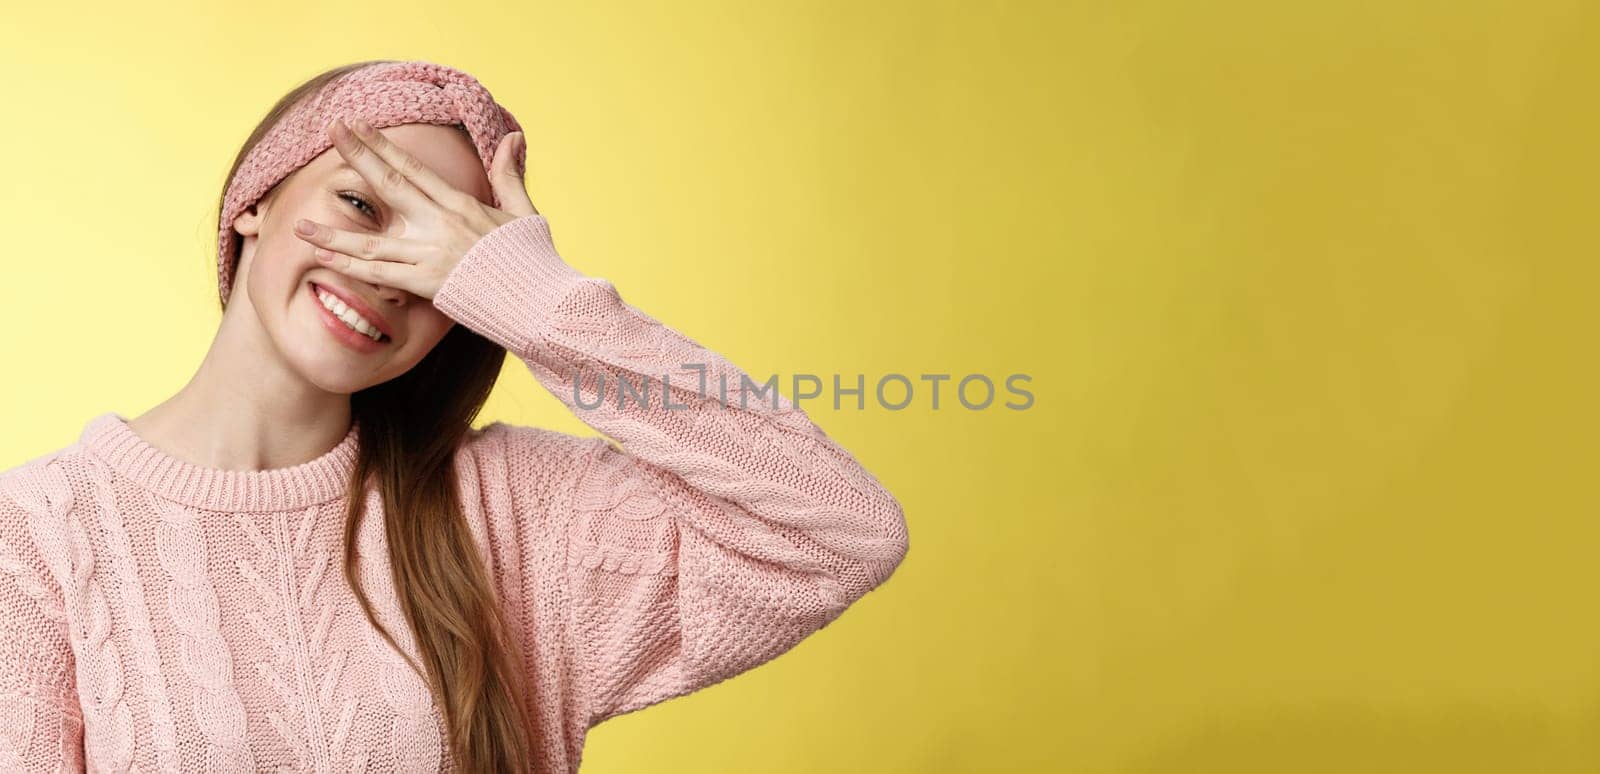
349,316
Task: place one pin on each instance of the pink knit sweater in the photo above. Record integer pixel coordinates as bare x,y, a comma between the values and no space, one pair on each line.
161,616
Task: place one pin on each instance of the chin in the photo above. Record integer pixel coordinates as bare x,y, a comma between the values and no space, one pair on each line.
326,363
330,372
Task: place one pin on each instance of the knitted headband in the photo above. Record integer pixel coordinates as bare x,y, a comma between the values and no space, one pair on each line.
386,94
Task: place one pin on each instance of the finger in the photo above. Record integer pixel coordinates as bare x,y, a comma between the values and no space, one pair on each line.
390,183
420,174
371,247
405,276
507,180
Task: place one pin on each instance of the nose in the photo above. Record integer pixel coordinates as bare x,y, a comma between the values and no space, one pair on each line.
390,295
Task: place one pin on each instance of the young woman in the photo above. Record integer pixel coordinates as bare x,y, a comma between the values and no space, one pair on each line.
308,559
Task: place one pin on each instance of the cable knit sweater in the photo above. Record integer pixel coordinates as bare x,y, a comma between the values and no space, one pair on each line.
162,616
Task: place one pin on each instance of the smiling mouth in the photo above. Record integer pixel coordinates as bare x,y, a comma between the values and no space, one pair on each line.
317,292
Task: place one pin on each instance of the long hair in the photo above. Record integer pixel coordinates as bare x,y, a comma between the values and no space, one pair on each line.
410,428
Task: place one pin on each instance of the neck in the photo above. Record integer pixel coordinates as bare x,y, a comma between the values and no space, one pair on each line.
245,407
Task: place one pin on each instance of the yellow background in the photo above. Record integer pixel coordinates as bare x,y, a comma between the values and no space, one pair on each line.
1304,289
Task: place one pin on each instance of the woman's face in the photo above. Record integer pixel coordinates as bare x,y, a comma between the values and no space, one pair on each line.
281,276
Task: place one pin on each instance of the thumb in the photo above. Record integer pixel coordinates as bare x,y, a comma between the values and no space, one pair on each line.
505,176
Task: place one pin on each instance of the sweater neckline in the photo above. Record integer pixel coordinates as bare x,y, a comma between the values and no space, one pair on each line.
324,478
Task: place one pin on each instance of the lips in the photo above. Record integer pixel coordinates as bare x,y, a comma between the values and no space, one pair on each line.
351,339
360,307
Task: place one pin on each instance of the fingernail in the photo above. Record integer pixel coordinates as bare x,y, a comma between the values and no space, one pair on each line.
324,254
362,126
305,227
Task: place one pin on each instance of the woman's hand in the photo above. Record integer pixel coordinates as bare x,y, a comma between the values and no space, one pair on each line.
441,221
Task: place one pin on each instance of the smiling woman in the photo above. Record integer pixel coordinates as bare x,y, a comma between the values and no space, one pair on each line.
165,579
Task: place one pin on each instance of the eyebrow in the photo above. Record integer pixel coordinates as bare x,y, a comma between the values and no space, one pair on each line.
345,172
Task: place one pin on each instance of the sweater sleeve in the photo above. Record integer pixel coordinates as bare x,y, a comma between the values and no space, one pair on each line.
719,530
42,730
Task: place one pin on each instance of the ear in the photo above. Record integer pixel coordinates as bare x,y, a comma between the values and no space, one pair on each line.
248,223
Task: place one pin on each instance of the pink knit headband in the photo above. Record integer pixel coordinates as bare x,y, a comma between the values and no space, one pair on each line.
386,94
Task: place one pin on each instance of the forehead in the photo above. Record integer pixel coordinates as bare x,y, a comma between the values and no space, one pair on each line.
444,149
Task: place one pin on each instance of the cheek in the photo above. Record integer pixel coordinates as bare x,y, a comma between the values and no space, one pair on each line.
282,252
427,325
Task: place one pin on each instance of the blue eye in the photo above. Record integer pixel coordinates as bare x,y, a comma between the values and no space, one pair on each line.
360,203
